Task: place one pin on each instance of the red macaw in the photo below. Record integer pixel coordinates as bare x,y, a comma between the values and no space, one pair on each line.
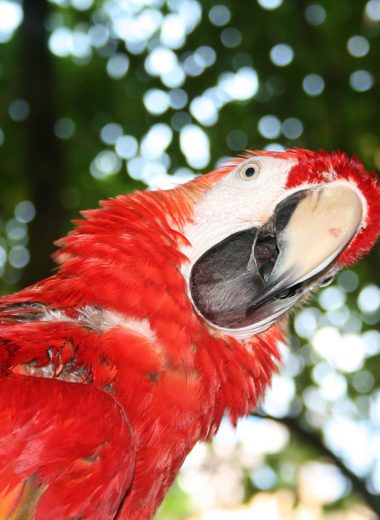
165,314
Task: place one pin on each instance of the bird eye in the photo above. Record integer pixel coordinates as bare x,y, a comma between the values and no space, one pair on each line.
249,171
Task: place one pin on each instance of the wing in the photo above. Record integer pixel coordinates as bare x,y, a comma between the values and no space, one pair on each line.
66,450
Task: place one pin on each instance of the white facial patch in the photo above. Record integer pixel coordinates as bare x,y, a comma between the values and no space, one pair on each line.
235,204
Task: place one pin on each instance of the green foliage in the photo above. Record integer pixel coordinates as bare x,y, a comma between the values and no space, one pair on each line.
176,505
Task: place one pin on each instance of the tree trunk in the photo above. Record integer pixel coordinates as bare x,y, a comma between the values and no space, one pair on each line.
44,168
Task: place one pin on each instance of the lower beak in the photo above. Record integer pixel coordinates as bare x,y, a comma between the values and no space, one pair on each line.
253,277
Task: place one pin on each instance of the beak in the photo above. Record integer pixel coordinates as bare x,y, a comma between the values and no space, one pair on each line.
312,228
253,277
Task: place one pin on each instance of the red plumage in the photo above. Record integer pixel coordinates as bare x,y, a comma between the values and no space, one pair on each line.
109,376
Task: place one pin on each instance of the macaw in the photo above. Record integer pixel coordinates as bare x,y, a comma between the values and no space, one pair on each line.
165,313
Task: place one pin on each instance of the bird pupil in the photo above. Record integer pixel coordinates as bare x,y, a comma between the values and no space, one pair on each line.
249,172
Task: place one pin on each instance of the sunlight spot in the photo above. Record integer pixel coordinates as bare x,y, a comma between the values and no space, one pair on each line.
351,441
320,371
361,80
179,120
372,10
25,211
3,256
241,85
195,145
333,386
98,35
269,127
371,339
358,46
315,14
16,230
363,381
64,128
205,56
110,133
178,98
225,440
183,175
117,66
292,128
135,167
346,352
237,140
369,299
306,322
270,436
314,401
173,31
192,66
274,147
18,256
198,454
190,12
106,163
203,109
269,4
375,478
321,483
11,15
281,54
82,5
279,396
219,15
155,142
155,176
339,317
313,84
174,78
348,280
60,42
80,44
231,37
19,110
264,477
156,101
332,298
161,60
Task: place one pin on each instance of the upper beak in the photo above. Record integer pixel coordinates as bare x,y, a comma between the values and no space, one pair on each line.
253,277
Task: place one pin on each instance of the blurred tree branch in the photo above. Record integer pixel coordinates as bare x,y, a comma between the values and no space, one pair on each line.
313,439
43,167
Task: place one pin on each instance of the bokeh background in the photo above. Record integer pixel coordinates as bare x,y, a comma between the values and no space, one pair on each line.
100,97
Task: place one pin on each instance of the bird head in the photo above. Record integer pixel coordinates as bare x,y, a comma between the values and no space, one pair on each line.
269,227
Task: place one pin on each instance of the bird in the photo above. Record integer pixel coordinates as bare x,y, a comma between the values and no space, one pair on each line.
164,315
